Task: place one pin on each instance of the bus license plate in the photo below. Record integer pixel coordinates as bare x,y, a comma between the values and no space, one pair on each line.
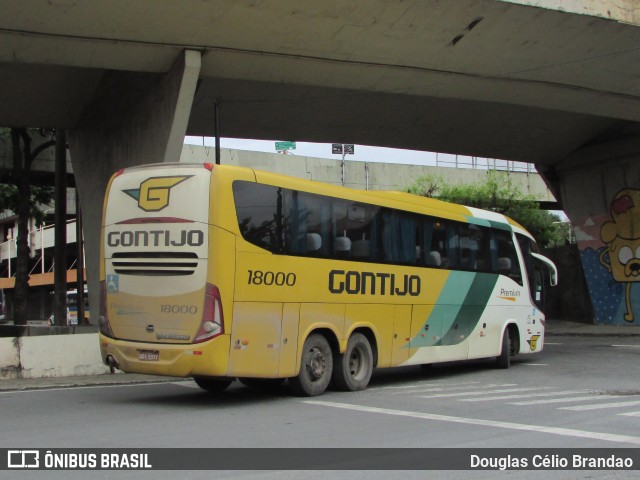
148,355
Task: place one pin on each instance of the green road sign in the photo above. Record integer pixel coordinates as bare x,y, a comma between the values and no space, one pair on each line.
281,146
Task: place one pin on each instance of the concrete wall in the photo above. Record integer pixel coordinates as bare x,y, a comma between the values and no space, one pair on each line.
563,302
600,188
50,356
381,176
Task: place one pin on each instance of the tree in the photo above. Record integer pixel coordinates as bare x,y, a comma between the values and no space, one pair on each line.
24,201
497,193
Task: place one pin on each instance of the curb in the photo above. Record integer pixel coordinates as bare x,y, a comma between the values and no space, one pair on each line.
49,383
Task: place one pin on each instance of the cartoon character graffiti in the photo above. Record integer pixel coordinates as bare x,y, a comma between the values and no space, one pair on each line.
622,238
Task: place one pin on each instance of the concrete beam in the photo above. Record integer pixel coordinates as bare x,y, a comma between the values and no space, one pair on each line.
134,118
186,71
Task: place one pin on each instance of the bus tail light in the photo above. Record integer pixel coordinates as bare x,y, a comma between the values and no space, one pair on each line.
103,319
212,323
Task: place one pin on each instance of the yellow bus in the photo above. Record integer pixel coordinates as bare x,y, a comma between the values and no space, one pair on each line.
221,272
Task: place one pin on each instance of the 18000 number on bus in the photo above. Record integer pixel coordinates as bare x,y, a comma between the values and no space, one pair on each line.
280,279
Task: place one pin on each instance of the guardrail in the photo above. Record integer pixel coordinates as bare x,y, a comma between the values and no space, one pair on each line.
481,163
39,239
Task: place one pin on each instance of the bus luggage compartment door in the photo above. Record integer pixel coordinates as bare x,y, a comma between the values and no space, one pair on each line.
256,333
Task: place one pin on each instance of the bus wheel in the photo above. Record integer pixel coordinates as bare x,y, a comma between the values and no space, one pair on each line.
504,359
212,385
353,369
315,367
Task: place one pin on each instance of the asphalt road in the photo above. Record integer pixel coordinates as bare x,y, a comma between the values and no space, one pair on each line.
579,392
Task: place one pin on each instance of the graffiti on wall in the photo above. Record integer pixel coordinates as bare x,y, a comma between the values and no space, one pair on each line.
610,250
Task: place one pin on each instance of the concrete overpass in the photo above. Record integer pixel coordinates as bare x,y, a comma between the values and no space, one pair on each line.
552,82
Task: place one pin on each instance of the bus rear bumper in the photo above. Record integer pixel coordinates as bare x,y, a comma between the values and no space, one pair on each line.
174,360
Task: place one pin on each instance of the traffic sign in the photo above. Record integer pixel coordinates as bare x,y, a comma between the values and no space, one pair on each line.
282,146
343,148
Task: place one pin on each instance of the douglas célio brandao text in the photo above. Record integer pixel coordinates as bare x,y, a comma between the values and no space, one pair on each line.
551,461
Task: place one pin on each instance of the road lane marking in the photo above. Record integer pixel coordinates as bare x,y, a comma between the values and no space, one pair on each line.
567,432
626,346
431,384
565,400
599,406
523,395
630,414
481,392
448,388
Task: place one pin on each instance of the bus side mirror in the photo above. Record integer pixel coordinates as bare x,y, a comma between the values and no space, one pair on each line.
553,271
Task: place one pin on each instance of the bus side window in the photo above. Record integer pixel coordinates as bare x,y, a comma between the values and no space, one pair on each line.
470,247
399,234
452,245
506,257
318,228
428,257
260,212
341,240
296,224
437,253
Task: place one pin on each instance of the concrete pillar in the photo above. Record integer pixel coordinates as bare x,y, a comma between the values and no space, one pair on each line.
600,190
135,118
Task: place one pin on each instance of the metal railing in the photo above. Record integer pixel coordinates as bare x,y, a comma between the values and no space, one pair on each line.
39,239
481,163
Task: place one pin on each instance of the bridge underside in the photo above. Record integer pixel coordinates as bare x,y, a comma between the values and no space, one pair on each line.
478,77
486,78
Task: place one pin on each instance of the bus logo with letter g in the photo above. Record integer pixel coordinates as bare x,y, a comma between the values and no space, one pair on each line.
153,194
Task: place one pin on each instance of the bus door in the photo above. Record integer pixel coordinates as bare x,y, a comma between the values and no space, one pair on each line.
541,267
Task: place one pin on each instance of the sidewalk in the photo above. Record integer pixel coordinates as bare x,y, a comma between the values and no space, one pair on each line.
564,328
13,384
555,328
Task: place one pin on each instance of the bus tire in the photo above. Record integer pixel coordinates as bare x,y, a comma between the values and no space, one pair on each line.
504,359
352,369
316,366
212,385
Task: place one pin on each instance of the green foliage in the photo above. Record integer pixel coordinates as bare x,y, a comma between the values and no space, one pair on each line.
40,197
497,193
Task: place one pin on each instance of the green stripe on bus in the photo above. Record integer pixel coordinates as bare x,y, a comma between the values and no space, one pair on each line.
482,222
446,309
472,309
452,320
